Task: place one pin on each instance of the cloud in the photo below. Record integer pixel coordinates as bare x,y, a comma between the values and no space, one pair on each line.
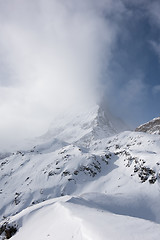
154,17
62,56
53,57
133,91
127,98
156,89
154,8
155,46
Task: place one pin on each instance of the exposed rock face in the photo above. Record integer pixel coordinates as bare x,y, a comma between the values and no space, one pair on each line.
152,127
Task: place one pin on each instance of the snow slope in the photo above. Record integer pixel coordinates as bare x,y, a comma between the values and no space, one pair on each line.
80,218
83,180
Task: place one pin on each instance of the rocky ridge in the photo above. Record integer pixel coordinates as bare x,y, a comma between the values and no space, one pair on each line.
152,127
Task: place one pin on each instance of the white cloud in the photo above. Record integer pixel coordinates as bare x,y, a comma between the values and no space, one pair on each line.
156,89
154,9
156,47
54,53
133,91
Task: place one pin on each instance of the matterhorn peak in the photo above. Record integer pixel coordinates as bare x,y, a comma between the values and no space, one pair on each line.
85,125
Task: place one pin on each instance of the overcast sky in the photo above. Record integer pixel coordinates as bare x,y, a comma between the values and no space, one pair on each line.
62,54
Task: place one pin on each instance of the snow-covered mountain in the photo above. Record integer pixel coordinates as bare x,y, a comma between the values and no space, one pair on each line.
152,126
83,179
84,127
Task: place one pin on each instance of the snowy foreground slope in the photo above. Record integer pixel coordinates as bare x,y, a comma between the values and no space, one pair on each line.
79,182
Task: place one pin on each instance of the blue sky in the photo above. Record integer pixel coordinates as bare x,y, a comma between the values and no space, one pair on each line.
58,55
135,57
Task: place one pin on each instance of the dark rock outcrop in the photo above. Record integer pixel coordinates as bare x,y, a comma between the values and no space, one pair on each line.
152,127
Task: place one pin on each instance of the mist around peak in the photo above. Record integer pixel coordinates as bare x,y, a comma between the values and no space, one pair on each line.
52,61
59,56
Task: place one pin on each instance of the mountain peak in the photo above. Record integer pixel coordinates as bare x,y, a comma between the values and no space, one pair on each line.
86,125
